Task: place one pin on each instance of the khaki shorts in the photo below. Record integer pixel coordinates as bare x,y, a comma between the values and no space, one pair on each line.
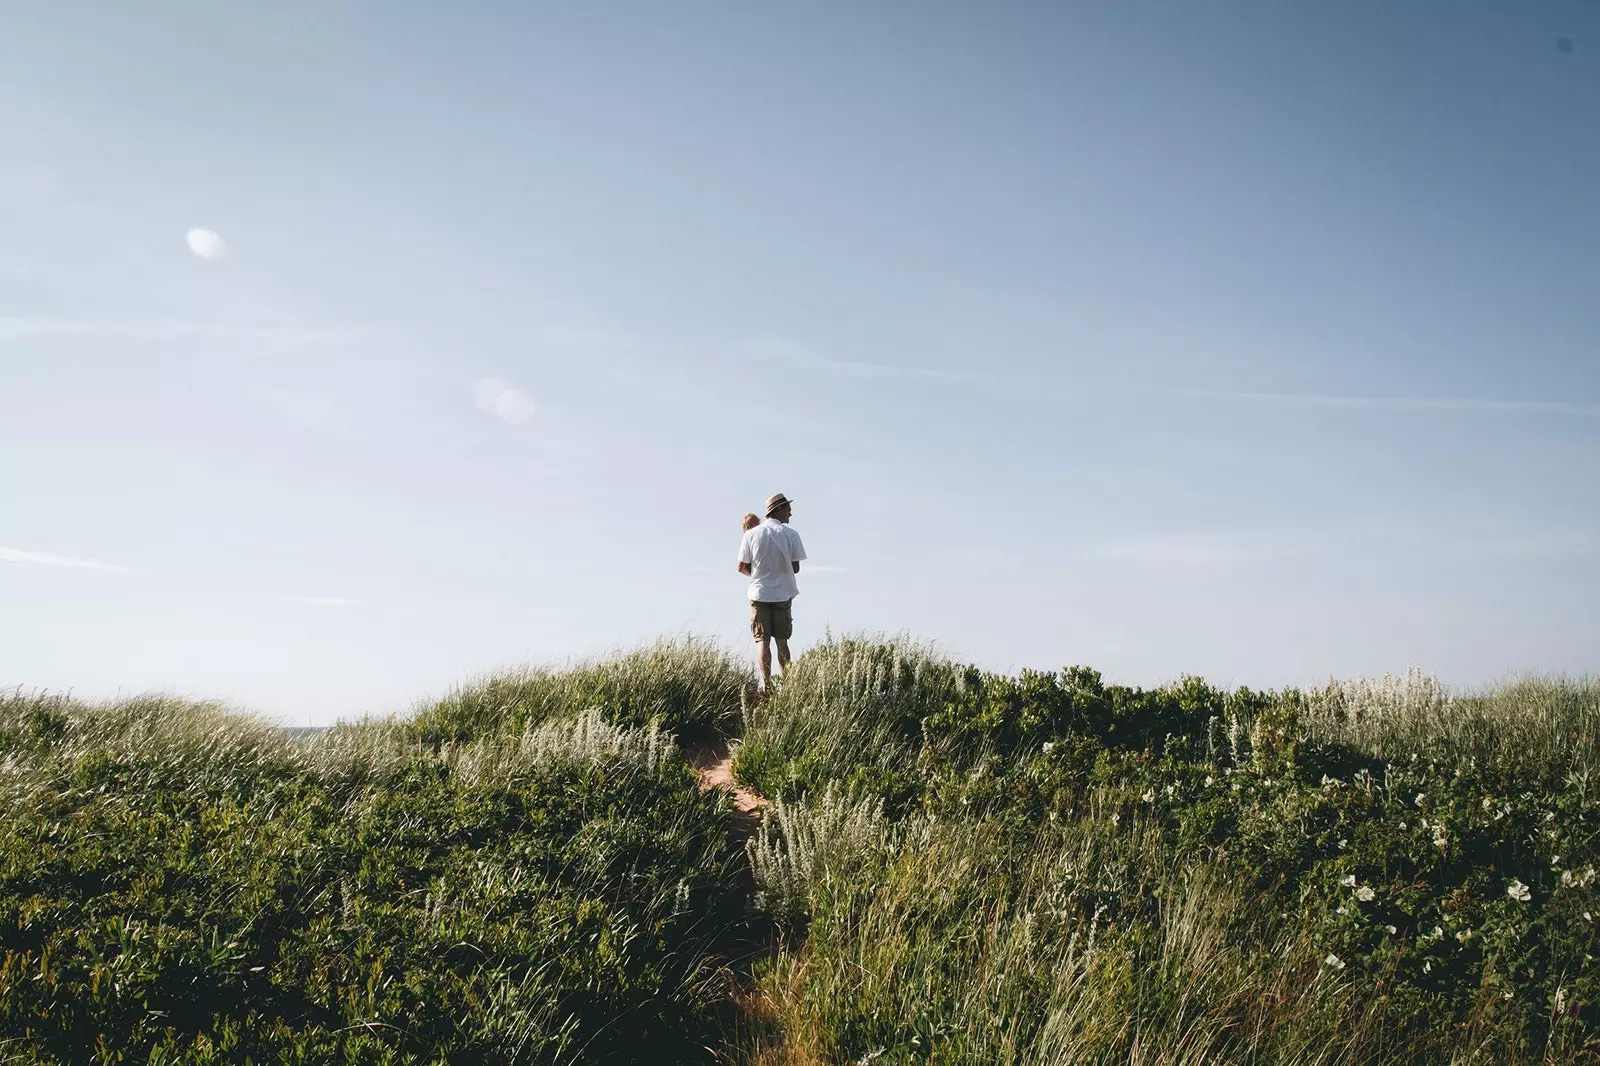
774,620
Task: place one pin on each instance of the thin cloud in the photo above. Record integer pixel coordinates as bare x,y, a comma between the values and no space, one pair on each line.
315,601
1391,404
1197,549
583,338
510,405
18,557
312,410
1453,544
14,328
778,349
906,373
1510,544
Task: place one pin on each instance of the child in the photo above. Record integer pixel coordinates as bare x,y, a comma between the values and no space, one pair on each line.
751,522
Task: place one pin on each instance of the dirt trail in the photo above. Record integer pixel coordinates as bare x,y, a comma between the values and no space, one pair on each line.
752,939
713,765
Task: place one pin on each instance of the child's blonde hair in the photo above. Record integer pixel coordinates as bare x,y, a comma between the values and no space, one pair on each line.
751,522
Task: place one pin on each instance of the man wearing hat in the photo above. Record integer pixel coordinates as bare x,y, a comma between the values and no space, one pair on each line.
770,557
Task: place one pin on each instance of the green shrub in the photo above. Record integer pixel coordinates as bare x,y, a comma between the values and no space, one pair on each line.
960,942
964,867
848,713
1441,849
177,885
690,687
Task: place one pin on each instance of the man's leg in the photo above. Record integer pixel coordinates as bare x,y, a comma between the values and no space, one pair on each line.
782,629
766,659
760,628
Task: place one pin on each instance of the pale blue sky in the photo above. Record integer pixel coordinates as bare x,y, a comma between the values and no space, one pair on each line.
1255,340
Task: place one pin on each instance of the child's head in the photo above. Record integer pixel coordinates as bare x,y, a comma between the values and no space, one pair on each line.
751,522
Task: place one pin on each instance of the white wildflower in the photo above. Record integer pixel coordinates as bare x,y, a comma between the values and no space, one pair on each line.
1049,746
1463,935
1567,879
1487,802
1149,795
1365,894
1348,881
1427,967
1420,797
1550,817
1392,930
1402,825
1209,779
1519,891
1342,843
1334,961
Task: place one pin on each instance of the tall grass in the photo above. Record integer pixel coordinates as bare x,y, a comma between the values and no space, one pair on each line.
848,715
1086,943
688,686
1370,872
178,884
963,867
1533,722
1092,943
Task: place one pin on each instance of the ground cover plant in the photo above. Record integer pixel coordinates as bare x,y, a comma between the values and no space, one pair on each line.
1046,868
688,687
178,884
959,867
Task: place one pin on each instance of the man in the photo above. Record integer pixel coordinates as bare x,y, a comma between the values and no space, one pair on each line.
769,555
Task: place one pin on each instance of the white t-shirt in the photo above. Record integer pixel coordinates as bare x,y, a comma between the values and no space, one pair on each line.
772,549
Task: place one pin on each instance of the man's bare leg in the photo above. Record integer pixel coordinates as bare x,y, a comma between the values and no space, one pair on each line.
783,654
766,659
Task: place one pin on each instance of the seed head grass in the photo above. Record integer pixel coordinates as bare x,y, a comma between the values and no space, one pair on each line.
958,867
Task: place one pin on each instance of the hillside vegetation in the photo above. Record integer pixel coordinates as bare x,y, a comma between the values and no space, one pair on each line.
960,867
181,885
1049,869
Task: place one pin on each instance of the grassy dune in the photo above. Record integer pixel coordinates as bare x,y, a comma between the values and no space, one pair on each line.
1048,869
181,885
960,868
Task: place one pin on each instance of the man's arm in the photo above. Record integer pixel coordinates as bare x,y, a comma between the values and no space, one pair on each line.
746,554
744,568
797,568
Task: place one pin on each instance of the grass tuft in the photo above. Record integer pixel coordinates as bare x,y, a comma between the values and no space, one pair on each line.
690,687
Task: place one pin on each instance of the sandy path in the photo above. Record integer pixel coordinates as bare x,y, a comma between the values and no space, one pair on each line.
713,765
